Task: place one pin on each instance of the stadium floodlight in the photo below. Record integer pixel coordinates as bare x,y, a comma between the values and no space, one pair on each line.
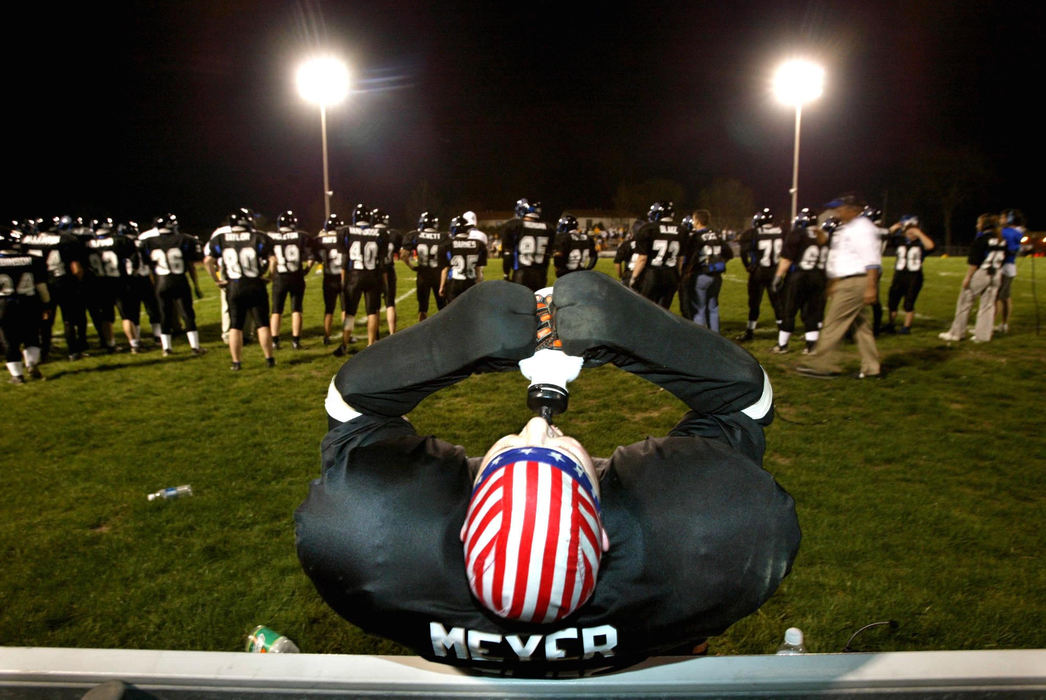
797,82
324,81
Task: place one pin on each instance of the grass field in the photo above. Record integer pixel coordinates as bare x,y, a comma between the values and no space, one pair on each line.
920,495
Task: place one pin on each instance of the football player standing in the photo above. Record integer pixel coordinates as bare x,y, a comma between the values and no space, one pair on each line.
659,248
423,246
247,261
525,243
761,253
291,247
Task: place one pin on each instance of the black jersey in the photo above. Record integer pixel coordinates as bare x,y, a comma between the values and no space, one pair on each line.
58,251
111,256
292,249
910,254
462,255
626,256
525,245
573,251
699,534
243,254
20,272
425,245
169,253
987,252
662,243
396,239
806,251
761,246
707,252
329,249
366,248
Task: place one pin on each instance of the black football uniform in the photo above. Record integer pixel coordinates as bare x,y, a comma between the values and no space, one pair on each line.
907,274
395,245
60,250
760,252
424,246
245,257
804,289
21,309
365,266
525,252
170,254
573,251
111,261
292,249
329,251
461,256
700,535
662,244
626,257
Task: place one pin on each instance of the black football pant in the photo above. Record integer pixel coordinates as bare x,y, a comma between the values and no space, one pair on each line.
759,280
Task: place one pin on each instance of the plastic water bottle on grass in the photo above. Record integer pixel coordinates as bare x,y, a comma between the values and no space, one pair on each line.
171,493
793,643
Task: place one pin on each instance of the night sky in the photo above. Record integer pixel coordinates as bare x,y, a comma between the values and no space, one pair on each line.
132,109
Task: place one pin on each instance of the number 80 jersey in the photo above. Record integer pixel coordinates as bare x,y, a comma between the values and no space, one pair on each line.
243,254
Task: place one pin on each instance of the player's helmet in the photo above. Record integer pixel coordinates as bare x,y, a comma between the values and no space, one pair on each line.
360,215
661,210
459,225
243,218
427,220
525,207
287,219
332,223
100,226
554,560
763,218
470,216
687,224
804,218
379,216
566,223
909,220
64,223
830,224
873,214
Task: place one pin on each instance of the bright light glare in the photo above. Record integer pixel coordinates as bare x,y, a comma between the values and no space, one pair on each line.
323,81
798,81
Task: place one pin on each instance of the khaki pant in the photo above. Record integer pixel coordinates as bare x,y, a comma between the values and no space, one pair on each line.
984,286
846,307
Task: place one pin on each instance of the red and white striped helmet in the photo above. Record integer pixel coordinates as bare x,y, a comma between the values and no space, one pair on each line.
532,535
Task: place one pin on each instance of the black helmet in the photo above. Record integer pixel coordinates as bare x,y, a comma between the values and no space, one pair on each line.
566,223
830,224
804,218
459,225
763,218
379,216
525,207
661,210
427,220
360,214
243,218
287,219
332,223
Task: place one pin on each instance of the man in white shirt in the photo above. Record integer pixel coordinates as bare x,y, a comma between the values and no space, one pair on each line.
853,270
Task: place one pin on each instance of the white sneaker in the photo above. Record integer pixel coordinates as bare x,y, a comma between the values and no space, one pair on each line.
948,336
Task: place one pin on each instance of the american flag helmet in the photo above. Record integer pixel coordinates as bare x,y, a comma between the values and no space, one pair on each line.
533,535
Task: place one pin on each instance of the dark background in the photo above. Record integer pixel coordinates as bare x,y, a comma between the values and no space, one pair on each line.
133,109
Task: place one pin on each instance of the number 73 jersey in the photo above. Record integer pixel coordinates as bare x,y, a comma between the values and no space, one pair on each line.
661,242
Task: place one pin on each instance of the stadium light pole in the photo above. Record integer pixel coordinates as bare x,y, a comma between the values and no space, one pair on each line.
324,81
797,82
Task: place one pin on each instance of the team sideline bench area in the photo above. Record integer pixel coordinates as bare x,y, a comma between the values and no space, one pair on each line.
38,672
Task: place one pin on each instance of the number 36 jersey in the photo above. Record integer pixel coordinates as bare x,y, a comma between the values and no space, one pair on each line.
169,253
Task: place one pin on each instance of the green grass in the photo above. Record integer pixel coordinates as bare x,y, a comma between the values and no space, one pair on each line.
920,495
